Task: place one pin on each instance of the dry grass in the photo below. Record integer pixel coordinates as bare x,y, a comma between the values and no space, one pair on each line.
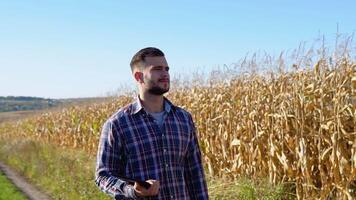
16,115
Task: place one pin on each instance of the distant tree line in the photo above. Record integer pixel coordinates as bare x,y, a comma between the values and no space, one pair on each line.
21,103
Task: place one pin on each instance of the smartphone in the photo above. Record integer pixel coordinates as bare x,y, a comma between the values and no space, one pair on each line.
131,180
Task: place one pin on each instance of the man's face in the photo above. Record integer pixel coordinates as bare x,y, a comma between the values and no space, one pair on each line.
156,75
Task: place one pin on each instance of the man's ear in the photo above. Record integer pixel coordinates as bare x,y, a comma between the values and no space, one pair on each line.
138,76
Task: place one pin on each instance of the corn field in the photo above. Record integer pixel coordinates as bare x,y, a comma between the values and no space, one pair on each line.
296,127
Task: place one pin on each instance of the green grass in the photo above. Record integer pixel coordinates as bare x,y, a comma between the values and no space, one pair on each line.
69,174
63,174
8,190
247,189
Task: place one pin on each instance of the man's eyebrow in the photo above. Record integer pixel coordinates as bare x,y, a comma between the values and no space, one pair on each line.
160,66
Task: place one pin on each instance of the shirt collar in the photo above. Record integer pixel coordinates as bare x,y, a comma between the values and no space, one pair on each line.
137,105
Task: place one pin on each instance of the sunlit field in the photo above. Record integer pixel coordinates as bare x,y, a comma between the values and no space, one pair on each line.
290,123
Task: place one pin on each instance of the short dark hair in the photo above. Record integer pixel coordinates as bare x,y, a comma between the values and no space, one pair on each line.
142,54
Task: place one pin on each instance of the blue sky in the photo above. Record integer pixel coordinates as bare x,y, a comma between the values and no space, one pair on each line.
66,48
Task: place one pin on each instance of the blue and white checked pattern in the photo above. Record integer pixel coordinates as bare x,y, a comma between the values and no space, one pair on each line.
133,145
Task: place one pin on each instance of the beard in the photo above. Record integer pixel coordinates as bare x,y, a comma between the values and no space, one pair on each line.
155,89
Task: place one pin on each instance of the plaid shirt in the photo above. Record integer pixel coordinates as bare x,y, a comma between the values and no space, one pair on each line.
133,145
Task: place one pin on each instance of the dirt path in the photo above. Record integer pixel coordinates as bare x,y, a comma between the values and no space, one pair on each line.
30,191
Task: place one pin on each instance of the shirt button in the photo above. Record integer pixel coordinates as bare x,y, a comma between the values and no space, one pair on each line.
166,165
172,196
165,150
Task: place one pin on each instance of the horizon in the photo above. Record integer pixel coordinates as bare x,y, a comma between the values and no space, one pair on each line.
65,49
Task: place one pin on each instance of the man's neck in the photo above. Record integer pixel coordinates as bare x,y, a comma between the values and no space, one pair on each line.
152,103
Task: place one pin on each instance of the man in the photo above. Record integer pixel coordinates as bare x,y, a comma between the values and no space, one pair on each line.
150,140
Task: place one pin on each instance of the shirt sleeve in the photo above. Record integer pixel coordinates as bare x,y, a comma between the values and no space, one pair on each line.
193,169
110,162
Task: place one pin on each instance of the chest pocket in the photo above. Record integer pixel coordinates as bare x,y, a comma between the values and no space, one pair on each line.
140,146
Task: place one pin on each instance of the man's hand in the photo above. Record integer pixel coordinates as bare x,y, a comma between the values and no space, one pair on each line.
151,191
